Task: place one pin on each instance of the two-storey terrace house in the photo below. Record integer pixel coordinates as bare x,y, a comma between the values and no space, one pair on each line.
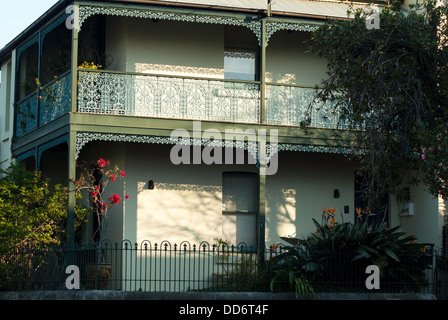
175,77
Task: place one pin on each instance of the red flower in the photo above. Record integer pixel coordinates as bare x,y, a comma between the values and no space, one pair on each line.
93,194
127,196
101,163
115,199
102,206
122,173
112,178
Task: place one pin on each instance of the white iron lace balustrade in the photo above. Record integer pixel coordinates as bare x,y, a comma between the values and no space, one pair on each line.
168,97
290,105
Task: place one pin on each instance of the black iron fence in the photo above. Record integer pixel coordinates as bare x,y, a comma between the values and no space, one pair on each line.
167,267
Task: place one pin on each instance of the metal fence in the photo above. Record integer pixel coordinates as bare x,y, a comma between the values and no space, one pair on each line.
167,267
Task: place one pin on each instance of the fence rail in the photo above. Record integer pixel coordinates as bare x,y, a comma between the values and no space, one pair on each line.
167,267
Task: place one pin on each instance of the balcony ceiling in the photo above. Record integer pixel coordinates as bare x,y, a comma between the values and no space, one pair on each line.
322,8
319,9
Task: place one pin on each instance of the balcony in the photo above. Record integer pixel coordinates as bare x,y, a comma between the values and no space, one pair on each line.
43,106
159,96
172,97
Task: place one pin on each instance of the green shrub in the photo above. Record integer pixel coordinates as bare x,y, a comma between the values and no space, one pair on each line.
335,257
33,214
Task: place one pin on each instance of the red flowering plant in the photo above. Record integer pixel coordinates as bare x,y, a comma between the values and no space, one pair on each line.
95,180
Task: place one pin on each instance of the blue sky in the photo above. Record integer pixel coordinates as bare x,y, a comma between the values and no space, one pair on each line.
17,15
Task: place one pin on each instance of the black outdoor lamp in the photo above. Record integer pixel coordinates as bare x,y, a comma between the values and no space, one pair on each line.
336,193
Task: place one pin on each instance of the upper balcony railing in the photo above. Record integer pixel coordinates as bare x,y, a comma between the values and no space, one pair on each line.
173,97
44,105
290,105
168,97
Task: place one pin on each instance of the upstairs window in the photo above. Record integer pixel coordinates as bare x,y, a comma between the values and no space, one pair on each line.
239,64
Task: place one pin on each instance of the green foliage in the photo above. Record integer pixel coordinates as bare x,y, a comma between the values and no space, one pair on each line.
286,275
336,250
392,83
375,242
237,267
32,212
33,215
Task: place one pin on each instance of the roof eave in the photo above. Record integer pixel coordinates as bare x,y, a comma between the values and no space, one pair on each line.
6,51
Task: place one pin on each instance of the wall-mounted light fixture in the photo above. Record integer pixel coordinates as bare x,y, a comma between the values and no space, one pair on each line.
151,185
336,193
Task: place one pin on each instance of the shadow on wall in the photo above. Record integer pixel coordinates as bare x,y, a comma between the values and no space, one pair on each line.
179,212
303,186
281,218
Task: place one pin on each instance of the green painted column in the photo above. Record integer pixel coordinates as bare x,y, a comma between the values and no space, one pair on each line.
75,32
71,197
72,139
263,72
261,218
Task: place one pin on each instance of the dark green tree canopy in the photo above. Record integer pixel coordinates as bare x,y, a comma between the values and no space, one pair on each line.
389,86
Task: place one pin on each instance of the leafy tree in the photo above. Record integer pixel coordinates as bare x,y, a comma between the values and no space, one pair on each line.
389,87
32,212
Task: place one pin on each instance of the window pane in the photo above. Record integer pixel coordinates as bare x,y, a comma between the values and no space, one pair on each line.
239,194
239,65
239,228
239,191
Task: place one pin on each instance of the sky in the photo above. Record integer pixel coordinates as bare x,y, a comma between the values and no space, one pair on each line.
17,15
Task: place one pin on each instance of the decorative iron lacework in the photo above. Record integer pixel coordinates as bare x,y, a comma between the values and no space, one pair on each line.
42,148
51,26
289,105
86,11
26,115
272,149
239,54
188,187
274,26
26,155
314,148
60,103
168,97
40,36
26,45
33,111
83,138
50,144
200,99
